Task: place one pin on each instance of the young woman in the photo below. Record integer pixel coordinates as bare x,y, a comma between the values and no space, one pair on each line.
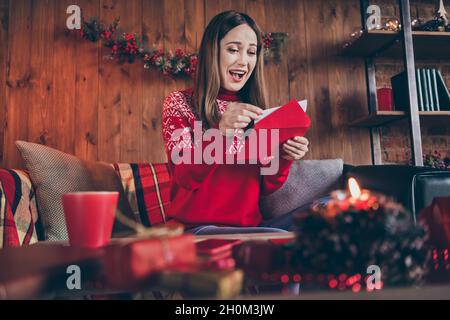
228,94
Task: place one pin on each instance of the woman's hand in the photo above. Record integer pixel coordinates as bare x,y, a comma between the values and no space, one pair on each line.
237,116
295,148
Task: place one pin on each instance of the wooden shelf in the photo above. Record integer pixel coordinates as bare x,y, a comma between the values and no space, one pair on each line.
436,118
380,118
369,42
381,43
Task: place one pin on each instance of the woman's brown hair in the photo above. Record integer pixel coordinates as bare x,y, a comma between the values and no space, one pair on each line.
207,78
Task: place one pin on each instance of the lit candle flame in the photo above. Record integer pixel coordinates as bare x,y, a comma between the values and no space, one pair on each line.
355,191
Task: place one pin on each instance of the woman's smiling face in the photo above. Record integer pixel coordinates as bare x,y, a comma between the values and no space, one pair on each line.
238,56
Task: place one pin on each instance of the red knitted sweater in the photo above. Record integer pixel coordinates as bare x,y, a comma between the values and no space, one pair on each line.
219,194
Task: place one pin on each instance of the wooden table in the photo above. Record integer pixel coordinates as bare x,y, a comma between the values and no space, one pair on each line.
40,270
425,292
34,271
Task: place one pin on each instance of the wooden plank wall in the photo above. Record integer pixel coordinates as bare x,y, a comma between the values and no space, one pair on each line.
4,16
60,91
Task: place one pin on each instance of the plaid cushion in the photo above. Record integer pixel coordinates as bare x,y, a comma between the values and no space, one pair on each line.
147,187
18,213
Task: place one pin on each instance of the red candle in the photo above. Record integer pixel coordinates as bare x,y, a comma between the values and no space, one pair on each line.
361,200
355,198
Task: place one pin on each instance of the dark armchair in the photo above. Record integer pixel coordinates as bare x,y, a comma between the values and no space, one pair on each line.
415,187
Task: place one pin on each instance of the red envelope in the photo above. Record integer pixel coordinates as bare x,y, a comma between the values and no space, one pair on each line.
291,120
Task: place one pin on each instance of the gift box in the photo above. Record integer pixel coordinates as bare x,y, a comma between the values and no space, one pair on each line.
262,256
199,283
135,264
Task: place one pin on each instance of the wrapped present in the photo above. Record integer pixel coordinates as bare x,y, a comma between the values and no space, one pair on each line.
437,218
211,247
262,256
199,283
220,264
133,264
216,253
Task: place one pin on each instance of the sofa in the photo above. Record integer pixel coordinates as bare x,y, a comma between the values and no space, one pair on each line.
146,187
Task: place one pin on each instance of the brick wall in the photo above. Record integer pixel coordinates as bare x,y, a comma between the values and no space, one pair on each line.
396,147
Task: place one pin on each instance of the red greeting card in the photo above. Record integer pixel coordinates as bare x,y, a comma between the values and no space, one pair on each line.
290,120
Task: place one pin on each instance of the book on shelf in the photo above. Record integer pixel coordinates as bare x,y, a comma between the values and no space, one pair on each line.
432,92
419,89
435,90
444,95
426,104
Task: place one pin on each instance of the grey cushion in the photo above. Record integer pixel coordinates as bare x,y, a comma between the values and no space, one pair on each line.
308,180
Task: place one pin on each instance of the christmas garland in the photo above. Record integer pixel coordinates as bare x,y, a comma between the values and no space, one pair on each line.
129,47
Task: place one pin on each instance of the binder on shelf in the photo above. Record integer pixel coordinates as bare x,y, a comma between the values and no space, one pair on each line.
425,90
430,91
419,89
444,95
400,91
435,90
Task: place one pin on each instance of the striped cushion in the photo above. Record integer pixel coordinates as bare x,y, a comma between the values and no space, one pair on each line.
18,213
147,187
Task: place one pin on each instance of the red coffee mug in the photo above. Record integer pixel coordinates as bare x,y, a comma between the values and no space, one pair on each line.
90,217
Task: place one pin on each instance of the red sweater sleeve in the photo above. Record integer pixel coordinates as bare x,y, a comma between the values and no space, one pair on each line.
178,133
271,183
